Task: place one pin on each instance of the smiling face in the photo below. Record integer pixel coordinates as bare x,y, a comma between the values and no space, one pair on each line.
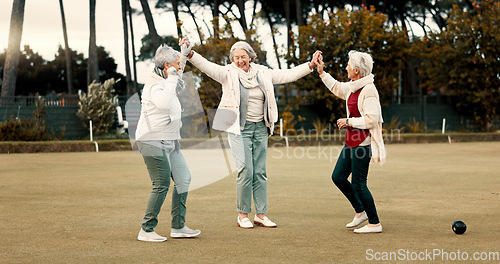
241,59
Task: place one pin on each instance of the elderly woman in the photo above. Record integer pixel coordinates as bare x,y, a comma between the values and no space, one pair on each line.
363,137
248,111
157,135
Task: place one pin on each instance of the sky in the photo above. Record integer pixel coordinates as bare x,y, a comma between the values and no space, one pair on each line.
42,28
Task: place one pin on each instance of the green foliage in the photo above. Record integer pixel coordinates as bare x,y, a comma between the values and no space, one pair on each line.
415,126
37,75
33,129
320,126
363,30
289,122
394,125
464,60
147,51
99,106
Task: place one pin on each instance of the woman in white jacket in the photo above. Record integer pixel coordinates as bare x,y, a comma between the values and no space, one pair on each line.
248,111
363,138
157,135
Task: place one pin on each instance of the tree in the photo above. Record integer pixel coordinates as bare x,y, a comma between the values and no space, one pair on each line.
69,74
128,81
347,31
12,59
93,63
464,59
37,75
99,106
153,34
132,38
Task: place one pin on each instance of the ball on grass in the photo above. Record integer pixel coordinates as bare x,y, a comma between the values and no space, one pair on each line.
459,227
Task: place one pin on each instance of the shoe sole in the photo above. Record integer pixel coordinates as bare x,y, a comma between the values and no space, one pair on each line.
177,235
244,227
357,224
149,240
260,224
378,232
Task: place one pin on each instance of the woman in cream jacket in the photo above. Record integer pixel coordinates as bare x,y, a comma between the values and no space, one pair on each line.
248,111
363,137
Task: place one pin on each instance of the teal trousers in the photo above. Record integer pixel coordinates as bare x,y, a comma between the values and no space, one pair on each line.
250,151
163,165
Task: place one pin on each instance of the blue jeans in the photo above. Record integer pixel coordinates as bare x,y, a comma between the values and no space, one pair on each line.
250,151
356,161
163,165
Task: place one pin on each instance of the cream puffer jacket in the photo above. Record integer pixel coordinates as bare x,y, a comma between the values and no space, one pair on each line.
161,110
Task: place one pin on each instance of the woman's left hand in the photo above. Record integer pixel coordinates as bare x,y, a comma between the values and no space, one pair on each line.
342,122
314,61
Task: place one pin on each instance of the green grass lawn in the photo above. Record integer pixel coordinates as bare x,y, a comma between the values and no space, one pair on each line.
87,208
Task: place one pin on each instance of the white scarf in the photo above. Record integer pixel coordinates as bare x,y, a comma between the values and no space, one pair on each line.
354,86
248,79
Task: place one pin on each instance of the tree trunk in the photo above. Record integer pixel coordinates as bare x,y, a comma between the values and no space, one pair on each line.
241,8
13,50
215,18
93,63
134,58
198,29
271,26
178,22
289,34
153,34
300,14
67,51
130,90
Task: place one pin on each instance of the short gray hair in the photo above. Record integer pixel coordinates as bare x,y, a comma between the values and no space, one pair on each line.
244,46
164,54
361,60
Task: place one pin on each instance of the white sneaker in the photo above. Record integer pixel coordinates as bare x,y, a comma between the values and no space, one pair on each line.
150,236
264,222
368,229
357,221
184,232
244,223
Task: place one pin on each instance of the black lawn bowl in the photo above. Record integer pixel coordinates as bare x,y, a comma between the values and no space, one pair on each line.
459,227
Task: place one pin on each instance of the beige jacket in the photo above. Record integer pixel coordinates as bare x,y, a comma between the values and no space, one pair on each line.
369,107
227,117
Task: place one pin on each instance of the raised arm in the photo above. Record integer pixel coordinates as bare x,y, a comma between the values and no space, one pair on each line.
336,87
163,93
213,70
291,75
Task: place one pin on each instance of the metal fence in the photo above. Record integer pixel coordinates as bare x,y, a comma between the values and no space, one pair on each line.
59,101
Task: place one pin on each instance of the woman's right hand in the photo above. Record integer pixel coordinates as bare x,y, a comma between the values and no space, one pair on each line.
321,65
171,71
186,47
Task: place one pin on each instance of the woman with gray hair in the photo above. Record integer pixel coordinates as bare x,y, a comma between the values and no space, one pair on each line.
363,137
157,135
248,111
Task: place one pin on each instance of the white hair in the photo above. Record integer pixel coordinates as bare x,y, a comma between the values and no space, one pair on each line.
361,60
244,46
164,54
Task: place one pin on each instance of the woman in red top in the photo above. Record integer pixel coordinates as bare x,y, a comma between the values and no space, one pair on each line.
363,138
